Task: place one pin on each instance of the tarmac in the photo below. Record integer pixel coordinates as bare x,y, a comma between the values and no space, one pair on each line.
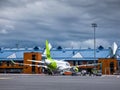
43,82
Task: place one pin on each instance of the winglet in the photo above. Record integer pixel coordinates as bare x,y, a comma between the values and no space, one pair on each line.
13,62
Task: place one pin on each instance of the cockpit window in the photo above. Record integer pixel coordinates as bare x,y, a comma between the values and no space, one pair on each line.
67,64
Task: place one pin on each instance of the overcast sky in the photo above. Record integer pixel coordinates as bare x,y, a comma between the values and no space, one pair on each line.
65,23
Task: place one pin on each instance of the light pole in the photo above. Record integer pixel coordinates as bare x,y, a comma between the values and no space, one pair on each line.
94,25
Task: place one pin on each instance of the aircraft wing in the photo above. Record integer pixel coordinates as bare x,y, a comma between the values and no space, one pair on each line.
94,64
29,64
37,61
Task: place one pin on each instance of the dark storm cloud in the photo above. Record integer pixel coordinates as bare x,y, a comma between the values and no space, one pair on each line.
62,22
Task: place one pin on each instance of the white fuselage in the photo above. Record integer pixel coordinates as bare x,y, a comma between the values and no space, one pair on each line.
62,65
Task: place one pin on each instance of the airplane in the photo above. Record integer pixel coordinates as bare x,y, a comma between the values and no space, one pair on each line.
53,66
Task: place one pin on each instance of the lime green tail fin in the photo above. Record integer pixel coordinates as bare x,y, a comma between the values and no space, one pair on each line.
48,47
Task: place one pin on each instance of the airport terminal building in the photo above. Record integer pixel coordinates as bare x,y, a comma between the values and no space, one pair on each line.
73,56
